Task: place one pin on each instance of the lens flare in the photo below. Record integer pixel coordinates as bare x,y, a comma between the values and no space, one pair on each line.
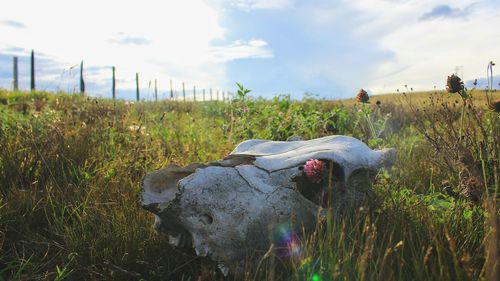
290,248
288,242
315,277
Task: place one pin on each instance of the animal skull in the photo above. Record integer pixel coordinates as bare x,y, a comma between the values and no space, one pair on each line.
231,208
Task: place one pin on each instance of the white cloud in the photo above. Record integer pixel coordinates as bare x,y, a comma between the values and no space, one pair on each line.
384,44
255,48
159,39
425,52
259,4
129,40
380,44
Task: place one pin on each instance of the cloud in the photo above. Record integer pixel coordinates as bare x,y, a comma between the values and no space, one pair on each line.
260,4
129,40
159,39
314,50
240,49
424,52
333,48
12,23
13,50
328,47
442,11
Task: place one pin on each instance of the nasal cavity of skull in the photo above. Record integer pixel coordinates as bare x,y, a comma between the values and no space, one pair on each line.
206,219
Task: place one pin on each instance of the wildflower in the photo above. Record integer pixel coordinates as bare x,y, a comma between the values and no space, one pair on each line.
362,96
454,84
314,169
137,128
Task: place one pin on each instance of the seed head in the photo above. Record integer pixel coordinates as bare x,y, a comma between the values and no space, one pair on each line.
454,84
362,96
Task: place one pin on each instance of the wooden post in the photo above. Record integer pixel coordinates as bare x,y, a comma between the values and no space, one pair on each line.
223,96
16,75
210,93
217,95
194,93
149,89
82,83
203,94
113,89
137,85
183,92
171,90
156,90
32,70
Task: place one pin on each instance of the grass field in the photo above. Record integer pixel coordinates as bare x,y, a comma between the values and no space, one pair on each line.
71,170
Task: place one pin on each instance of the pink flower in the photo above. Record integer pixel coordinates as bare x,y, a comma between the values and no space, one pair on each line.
314,169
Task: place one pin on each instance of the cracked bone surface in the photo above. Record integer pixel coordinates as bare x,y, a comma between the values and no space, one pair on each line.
230,210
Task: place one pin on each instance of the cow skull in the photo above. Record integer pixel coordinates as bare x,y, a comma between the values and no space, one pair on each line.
232,208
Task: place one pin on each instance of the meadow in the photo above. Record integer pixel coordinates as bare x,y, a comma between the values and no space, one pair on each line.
71,169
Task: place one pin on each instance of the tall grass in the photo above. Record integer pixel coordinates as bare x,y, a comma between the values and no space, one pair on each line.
71,170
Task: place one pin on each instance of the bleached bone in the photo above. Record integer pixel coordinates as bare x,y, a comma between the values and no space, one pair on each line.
229,210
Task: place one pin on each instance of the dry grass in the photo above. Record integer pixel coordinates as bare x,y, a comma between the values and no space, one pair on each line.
403,98
71,170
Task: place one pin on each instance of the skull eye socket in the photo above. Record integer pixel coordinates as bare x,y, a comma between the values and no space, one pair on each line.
207,219
317,192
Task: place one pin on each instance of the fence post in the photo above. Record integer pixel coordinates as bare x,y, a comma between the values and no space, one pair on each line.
32,70
156,90
113,89
171,90
82,83
203,94
137,85
194,93
217,95
223,96
210,93
183,92
149,89
16,75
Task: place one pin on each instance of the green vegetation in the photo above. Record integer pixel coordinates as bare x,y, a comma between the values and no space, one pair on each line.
71,170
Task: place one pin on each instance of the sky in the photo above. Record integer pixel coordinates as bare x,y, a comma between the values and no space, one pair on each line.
329,48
